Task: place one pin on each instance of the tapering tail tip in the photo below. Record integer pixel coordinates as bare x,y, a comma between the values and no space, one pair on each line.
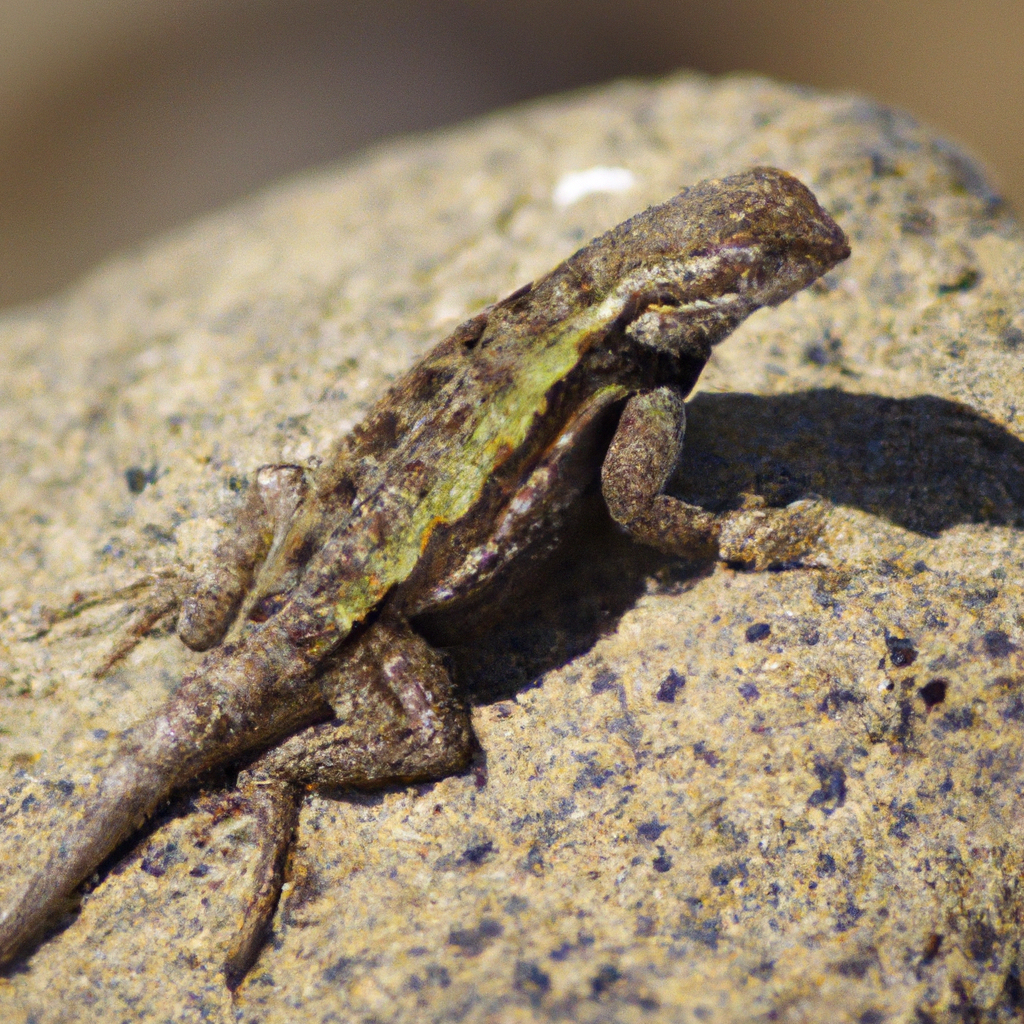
124,798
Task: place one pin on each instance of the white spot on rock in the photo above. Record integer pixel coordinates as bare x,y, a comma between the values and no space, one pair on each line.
574,186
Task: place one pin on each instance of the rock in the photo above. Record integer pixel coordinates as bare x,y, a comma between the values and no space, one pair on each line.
703,793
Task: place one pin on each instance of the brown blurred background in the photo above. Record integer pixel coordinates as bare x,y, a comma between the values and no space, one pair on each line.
122,117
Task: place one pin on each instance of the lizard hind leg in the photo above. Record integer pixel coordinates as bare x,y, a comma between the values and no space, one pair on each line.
396,719
206,604
216,595
274,804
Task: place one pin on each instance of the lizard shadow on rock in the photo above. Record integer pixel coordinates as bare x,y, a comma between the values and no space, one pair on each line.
925,464
552,608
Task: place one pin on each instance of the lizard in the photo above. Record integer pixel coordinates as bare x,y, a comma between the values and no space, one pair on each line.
315,675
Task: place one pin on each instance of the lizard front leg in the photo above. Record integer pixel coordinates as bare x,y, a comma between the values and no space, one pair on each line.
642,457
396,719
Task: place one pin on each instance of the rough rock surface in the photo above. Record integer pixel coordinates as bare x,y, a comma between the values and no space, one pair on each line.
703,794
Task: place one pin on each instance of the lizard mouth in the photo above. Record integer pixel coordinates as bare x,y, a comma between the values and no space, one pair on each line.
696,301
734,278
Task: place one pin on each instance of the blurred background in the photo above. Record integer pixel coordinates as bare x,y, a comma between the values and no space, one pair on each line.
119,118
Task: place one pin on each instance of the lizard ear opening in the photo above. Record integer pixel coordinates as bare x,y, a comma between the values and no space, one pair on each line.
678,339
681,332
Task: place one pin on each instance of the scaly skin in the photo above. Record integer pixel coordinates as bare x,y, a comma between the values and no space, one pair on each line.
450,476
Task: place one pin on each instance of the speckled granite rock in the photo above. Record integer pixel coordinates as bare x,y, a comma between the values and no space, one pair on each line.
703,794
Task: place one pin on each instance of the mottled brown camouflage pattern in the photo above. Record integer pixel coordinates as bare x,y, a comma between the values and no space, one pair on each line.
465,464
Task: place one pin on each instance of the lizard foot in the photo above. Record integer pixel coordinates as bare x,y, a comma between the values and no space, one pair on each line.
764,537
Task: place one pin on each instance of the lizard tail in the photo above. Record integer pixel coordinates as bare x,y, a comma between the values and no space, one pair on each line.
127,795
241,698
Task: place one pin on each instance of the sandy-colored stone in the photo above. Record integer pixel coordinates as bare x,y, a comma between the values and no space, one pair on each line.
677,814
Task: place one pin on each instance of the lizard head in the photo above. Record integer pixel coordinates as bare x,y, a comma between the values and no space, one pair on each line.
687,272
